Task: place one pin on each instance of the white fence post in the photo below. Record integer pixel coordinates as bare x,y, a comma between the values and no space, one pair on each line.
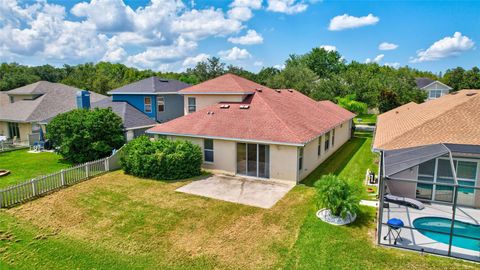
107,164
34,187
62,177
86,170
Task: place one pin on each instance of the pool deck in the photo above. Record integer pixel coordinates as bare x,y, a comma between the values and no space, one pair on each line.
412,239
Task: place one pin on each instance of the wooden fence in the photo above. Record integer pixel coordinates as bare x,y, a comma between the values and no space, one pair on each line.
48,183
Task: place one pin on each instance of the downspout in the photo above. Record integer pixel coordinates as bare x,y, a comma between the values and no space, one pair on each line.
381,192
455,196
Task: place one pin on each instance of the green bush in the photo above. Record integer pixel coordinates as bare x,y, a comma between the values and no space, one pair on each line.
348,102
337,195
85,135
162,159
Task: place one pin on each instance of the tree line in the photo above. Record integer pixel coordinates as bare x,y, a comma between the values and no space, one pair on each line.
319,74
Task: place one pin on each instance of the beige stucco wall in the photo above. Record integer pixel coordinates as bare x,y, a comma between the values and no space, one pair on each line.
311,160
203,101
283,159
3,128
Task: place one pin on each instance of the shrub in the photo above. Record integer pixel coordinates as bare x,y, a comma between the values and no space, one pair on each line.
348,102
85,135
162,159
337,195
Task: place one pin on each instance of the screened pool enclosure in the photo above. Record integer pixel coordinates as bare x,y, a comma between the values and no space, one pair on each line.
445,178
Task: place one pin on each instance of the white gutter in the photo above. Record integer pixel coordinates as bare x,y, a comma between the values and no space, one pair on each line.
142,93
223,138
139,127
216,93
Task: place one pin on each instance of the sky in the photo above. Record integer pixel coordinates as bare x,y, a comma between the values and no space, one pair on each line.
172,35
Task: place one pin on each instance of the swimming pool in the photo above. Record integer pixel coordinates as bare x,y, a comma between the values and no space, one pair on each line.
439,229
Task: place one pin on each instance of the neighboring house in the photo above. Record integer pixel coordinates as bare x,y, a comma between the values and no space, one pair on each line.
24,110
434,89
156,97
247,129
426,145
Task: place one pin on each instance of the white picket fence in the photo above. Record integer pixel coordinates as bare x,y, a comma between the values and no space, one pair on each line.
47,183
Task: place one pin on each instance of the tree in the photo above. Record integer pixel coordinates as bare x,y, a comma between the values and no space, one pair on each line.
388,101
208,69
337,195
324,63
266,75
454,78
14,75
84,135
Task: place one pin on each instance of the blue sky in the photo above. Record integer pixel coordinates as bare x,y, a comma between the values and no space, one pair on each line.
173,35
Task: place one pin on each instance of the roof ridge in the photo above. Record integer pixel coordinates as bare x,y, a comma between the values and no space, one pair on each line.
275,114
429,120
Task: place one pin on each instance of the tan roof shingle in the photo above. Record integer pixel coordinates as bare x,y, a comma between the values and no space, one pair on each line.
454,118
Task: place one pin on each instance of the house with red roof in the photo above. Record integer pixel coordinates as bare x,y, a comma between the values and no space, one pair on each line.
248,129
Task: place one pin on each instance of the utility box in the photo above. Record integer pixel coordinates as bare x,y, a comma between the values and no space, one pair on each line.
83,99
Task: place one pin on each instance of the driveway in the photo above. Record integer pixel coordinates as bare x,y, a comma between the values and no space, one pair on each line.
259,193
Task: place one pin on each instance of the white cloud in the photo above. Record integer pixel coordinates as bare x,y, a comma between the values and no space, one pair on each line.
377,59
163,33
446,47
329,48
258,63
385,46
286,6
252,37
279,66
234,54
345,21
240,13
199,24
393,65
193,60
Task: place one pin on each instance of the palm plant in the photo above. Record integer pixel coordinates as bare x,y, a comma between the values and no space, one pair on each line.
337,195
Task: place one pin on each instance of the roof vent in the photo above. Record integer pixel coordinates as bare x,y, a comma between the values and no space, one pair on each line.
259,89
163,80
244,107
224,106
290,90
471,94
453,93
210,113
278,90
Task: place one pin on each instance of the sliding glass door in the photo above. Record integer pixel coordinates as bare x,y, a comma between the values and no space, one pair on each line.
253,160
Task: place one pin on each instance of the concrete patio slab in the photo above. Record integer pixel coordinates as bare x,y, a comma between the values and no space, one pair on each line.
258,193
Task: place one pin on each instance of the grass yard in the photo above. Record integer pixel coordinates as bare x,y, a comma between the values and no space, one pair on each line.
117,221
366,119
351,162
24,166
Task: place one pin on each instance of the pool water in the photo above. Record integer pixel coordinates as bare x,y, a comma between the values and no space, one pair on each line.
440,230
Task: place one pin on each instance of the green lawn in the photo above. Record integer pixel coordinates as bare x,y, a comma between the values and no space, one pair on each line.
367,119
351,162
24,166
117,221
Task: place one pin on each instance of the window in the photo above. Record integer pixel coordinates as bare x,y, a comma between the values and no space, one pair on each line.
300,159
333,138
192,104
208,150
319,147
327,141
13,130
12,99
160,104
147,102
435,94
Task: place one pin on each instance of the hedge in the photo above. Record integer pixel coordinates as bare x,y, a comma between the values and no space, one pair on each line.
162,159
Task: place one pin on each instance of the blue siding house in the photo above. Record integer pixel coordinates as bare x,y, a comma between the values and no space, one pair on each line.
156,97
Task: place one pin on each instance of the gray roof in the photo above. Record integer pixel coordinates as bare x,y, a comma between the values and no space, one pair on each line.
55,98
151,85
402,159
131,117
422,82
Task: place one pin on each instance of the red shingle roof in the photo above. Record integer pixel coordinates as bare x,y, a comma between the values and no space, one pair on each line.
225,84
281,116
